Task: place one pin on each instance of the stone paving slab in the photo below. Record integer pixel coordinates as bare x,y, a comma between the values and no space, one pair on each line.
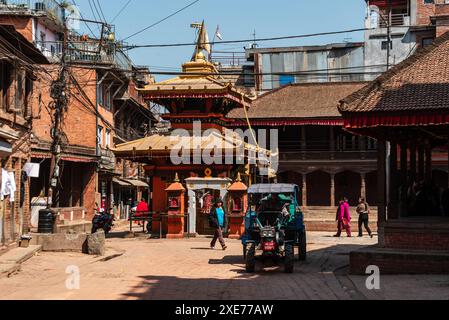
8,269
146,269
11,261
19,255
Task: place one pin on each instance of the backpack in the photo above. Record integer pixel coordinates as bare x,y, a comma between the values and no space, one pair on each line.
213,223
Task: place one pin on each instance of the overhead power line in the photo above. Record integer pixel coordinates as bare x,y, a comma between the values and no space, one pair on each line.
162,20
247,40
299,73
101,11
81,15
121,10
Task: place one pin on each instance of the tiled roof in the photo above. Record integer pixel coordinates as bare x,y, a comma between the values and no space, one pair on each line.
15,43
166,143
313,100
420,83
198,78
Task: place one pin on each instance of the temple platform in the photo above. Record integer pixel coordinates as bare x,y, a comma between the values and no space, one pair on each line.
322,219
411,246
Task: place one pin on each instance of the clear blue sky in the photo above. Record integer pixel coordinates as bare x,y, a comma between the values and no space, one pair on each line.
237,19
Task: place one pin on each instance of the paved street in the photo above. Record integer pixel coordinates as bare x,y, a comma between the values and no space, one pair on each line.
159,269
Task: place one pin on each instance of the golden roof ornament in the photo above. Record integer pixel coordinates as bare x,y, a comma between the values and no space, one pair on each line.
202,43
239,177
177,178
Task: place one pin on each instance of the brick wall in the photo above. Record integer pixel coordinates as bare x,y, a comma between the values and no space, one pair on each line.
393,263
90,192
23,25
424,12
16,216
442,18
80,120
417,239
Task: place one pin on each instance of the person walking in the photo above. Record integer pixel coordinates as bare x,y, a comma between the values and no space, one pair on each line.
344,218
363,211
218,221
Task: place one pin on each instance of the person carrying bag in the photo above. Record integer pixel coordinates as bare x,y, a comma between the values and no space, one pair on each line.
363,211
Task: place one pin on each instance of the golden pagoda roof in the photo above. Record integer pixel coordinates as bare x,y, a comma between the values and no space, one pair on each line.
157,144
199,79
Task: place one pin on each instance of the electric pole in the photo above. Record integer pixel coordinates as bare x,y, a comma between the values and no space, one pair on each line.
389,42
60,98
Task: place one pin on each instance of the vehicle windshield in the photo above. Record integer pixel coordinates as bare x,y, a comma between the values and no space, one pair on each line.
271,202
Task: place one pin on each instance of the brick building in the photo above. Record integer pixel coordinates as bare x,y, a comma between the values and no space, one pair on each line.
18,83
102,85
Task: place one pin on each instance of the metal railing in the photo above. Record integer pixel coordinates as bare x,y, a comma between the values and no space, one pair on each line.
87,52
232,59
49,7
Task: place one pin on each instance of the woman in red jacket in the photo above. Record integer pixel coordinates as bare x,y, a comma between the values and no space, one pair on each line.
344,218
142,209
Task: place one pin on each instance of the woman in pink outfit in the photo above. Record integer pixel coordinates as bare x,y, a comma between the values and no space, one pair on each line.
344,218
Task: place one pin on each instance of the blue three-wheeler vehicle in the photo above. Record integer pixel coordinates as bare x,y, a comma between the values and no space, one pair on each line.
274,225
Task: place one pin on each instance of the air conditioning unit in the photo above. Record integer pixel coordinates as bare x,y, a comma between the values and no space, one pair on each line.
40,6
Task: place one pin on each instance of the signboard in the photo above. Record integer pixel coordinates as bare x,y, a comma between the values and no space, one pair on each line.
32,169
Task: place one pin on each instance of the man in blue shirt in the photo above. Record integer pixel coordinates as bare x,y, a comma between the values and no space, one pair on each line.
218,221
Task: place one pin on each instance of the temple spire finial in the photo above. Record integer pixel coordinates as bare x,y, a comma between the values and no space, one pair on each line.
239,177
177,178
202,43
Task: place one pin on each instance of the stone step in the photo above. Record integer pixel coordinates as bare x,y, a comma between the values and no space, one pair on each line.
10,261
331,226
75,227
397,261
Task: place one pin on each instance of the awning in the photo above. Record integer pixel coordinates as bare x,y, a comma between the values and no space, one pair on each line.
367,120
120,182
5,148
136,183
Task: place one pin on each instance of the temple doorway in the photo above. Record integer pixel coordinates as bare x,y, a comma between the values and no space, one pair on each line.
201,195
205,199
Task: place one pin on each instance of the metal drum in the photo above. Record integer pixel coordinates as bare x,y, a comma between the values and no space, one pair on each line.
46,221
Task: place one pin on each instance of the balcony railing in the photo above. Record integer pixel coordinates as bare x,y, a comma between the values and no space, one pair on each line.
88,52
50,8
397,20
229,58
326,155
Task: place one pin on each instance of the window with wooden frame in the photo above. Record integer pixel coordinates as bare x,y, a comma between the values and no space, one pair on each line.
5,84
28,94
20,91
104,96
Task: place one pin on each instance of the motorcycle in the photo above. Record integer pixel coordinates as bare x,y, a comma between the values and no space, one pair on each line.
102,220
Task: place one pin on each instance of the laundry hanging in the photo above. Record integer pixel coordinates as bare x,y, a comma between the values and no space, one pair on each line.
8,186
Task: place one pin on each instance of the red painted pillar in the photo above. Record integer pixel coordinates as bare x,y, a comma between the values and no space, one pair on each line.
159,201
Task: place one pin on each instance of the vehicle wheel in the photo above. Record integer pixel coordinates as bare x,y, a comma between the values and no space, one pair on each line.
251,258
289,258
303,246
244,252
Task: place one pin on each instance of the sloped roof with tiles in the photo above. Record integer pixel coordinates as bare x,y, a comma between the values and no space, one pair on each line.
300,101
415,92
